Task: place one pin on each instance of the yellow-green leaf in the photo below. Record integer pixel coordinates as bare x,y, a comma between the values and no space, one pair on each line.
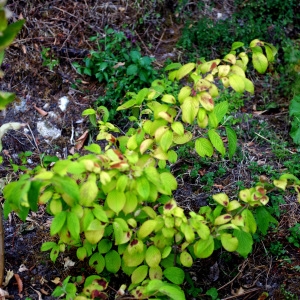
260,62
116,200
216,141
182,139
204,147
229,242
166,140
185,70
184,93
237,83
189,109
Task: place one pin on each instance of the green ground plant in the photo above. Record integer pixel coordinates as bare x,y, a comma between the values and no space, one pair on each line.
116,206
118,62
48,59
294,237
267,20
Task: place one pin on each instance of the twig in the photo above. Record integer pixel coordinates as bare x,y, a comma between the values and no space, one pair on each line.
160,40
272,143
142,42
36,145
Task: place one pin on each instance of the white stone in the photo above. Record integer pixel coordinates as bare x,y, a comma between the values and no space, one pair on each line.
63,102
47,130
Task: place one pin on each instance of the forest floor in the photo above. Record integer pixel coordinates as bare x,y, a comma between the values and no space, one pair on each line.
65,28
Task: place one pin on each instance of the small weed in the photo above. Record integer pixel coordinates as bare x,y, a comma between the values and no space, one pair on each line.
276,200
277,250
234,99
48,59
213,293
294,237
287,294
23,156
118,62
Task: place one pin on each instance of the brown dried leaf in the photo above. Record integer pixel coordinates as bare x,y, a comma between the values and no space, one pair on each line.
19,282
81,140
56,280
40,111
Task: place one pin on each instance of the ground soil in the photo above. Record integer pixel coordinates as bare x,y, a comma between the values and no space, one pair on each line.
64,27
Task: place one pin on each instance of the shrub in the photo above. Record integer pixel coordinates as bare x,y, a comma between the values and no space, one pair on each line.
116,206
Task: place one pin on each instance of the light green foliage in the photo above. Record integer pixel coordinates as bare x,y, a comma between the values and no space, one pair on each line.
116,206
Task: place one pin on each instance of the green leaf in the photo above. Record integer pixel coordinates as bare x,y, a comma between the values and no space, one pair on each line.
132,70
189,107
264,218
146,228
232,141
47,246
104,245
245,242
153,256
173,66
213,119
229,242
237,83
143,187
94,148
250,223
294,108
216,141
68,186
172,291
116,200
54,253
99,213
58,222
220,110
182,139
185,70
73,224
168,182
249,87
88,192
81,253
97,262
236,45
186,259
178,128
174,274
9,34
139,274
260,62
204,147
88,111
166,140
127,104
112,261
131,202
5,99
135,56
204,248
33,194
